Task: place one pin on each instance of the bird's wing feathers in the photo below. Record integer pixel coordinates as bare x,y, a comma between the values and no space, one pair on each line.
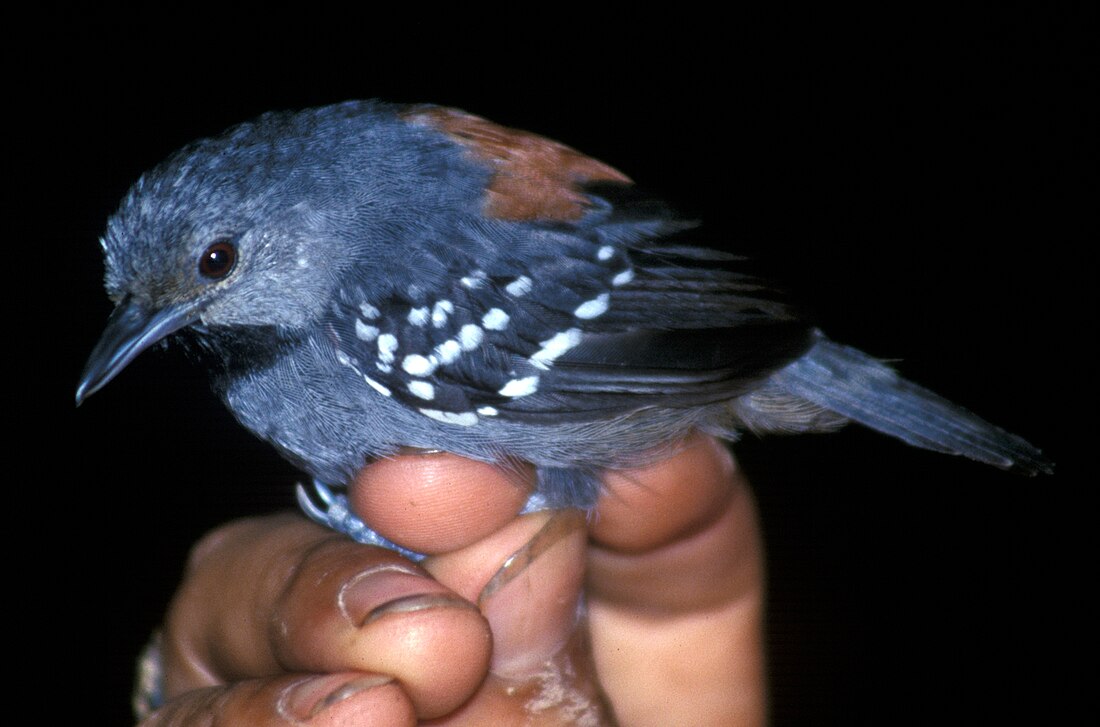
590,304
593,329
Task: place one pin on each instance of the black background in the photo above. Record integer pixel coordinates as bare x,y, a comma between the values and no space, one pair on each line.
920,179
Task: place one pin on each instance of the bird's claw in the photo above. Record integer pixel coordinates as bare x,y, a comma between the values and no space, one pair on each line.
331,509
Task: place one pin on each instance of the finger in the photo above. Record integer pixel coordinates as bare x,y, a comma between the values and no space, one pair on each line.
528,578
319,701
276,595
692,509
435,502
524,572
563,693
675,588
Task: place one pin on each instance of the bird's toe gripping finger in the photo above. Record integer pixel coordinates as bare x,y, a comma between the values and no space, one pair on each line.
331,509
535,503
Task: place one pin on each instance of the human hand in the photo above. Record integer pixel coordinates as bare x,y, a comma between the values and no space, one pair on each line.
280,621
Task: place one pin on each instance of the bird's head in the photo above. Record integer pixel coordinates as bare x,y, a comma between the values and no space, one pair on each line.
229,232
263,226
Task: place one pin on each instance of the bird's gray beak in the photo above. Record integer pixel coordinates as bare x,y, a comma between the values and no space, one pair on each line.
130,330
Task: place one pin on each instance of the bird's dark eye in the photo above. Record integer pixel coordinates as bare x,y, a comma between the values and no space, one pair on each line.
218,260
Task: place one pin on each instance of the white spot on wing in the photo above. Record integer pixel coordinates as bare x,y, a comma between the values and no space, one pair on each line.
623,278
469,337
369,311
495,320
520,387
418,365
448,351
475,279
440,312
487,411
387,344
422,389
365,332
605,253
464,419
519,287
418,316
593,308
383,390
555,347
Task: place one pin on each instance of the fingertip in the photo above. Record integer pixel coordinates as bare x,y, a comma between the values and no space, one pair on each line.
366,700
367,610
438,502
437,648
335,699
666,500
532,601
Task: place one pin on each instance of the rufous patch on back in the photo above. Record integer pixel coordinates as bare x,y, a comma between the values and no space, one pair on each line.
534,178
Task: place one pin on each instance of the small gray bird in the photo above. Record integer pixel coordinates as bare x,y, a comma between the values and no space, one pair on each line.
364,277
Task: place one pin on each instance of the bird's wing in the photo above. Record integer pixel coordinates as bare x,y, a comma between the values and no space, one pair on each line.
585,302
600,326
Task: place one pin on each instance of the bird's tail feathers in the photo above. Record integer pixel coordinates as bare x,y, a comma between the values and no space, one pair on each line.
848,382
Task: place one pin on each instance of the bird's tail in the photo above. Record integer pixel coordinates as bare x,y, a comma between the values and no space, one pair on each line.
862,389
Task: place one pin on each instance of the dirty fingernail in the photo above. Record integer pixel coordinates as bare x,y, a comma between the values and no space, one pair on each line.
532,601
419,602
375,587
557,528
306,699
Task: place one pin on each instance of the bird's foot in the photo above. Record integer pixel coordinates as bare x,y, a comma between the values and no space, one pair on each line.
535,503
331,509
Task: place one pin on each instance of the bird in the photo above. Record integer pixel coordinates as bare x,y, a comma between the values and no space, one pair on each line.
365,277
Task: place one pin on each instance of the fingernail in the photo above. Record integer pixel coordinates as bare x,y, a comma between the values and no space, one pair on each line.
563,524
306,699
532,601
390,589
421,602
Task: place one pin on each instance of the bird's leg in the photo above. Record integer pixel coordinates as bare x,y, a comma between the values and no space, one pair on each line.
330,509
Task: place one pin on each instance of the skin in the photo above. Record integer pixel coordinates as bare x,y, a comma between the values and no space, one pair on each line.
279,621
